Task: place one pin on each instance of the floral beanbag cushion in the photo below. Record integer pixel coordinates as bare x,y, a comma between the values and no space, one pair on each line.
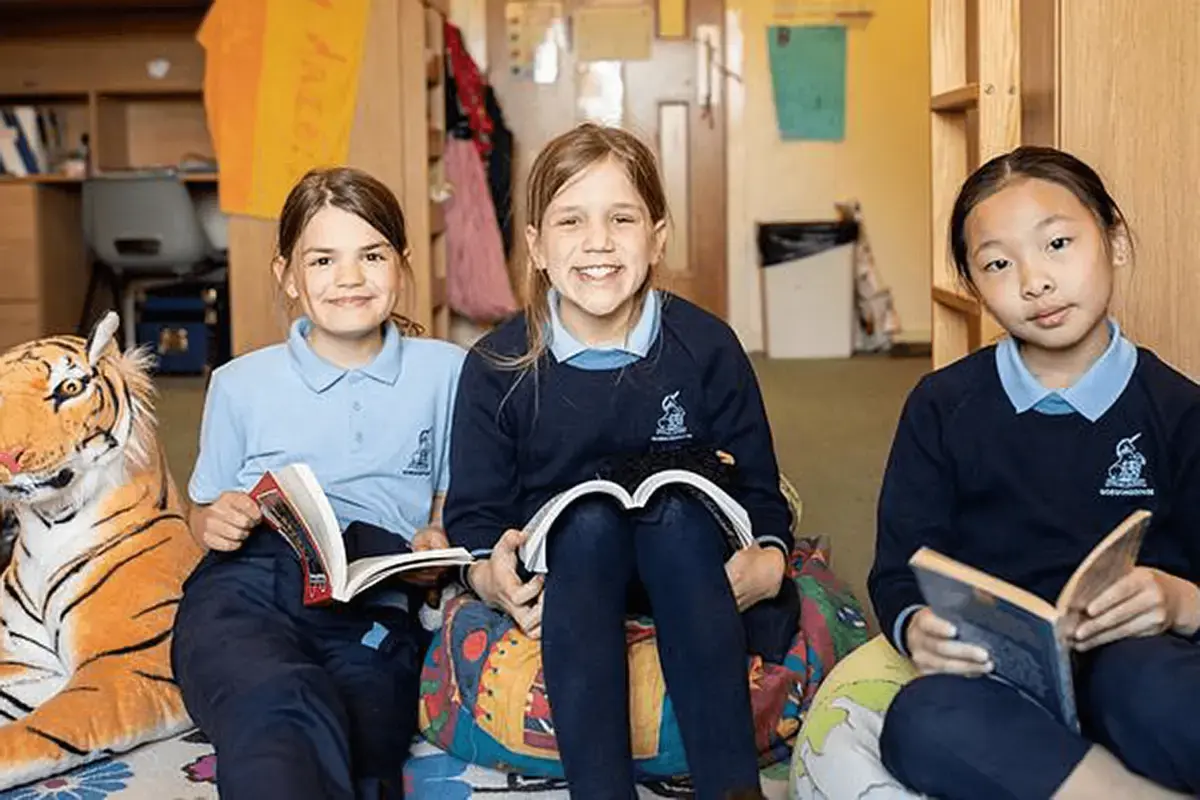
483,698
837,751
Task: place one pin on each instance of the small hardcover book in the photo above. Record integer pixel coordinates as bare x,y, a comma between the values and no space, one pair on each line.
293,503
633,483
1027,637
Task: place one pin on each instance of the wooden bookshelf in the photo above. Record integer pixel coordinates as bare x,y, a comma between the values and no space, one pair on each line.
89,67
975,114
435,20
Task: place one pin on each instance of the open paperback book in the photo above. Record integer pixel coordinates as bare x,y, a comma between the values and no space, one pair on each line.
729,513
294,504
1027,637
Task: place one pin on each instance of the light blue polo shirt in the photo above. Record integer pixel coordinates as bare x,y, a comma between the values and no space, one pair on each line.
376,437
1090,396
566,349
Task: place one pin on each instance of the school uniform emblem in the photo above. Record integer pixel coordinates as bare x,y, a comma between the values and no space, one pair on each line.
1125,477
421,462
672,425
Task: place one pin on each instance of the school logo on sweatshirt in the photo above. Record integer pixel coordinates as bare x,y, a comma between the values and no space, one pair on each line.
671,425
421,462
1125,477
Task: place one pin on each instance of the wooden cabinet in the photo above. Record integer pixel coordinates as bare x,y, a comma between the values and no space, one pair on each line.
40,260
1116,83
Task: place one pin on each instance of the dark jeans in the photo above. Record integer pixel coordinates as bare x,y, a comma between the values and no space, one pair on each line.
669,557
294,702
955,737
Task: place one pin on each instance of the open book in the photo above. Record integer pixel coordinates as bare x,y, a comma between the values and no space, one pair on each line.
294,504
729,513
1028,638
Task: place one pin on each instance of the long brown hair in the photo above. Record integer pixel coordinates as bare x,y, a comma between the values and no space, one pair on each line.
357,193
562,159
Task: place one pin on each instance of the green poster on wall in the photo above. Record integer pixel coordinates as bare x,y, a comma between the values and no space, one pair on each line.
808,77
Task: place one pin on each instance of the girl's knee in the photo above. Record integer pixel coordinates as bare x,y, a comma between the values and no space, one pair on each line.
1142,684
913,719
591,528
680,531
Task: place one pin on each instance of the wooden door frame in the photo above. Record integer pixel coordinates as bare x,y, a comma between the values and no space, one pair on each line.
707,157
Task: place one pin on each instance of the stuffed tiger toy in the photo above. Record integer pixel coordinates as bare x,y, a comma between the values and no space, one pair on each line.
88,599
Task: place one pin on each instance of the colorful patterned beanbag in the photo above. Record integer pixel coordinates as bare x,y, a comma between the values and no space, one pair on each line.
483,698
837,751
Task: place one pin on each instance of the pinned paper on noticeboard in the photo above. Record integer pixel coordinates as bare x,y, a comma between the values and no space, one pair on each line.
808,79
535,32
613,32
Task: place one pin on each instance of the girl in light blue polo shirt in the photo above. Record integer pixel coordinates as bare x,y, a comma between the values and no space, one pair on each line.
300,701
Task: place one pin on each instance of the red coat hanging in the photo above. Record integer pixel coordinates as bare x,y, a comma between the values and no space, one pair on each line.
470,86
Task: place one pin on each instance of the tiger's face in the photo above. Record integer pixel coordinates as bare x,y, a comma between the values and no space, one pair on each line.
69,408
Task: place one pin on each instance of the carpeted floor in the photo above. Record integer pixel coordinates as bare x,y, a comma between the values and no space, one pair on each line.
832,420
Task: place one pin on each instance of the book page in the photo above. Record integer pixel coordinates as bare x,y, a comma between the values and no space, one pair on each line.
1108,562
732,509
366,572
533,551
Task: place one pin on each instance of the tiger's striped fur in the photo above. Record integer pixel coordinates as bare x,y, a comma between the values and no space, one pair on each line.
88,599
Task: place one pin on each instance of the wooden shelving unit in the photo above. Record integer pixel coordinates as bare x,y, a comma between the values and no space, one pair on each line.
435,45
90,68
975,109
127,126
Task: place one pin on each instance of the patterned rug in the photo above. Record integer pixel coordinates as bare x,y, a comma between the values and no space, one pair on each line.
184,768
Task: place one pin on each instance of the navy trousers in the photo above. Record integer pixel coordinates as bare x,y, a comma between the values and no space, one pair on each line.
668,559
295,703
975,738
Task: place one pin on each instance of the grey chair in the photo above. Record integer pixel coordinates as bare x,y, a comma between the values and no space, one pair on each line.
142,230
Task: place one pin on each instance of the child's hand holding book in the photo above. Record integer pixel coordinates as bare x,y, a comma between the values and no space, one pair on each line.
1145,602
225,524
933,647
496,582
432,537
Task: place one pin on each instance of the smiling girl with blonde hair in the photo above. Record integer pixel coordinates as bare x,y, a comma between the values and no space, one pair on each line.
601,372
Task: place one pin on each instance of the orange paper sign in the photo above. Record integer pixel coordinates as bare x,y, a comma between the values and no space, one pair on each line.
280,89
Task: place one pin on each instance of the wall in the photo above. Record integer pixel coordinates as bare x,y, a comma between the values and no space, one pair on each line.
883,161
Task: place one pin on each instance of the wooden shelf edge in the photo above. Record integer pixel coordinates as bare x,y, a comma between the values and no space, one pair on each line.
437,219
433,70
17,96
79,95
10,180
952,299
438,293
151,93
186,177
963,98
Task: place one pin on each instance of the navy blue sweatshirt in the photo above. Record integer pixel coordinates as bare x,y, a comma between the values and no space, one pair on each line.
521,437
1026,496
